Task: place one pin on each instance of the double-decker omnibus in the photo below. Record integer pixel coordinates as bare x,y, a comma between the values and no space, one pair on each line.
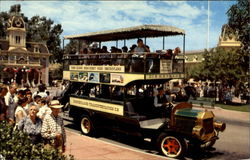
117,91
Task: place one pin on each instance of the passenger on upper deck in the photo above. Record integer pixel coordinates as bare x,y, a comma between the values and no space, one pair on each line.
138,63
177,50
169,54
104,49
73,51
104,57
132,48
113,49
141,47
85,51
124,49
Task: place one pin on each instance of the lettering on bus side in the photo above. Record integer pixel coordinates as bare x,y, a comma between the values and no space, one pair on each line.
120,69
98,106
162,76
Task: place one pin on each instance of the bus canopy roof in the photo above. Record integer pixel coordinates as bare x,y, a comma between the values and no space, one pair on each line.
129,33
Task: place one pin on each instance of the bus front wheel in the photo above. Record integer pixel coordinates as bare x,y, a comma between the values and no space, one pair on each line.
171,145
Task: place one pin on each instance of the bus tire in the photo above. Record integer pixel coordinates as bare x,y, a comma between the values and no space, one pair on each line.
171,145
86,125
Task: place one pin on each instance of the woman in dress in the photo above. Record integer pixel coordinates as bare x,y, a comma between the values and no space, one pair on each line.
20,112
32,125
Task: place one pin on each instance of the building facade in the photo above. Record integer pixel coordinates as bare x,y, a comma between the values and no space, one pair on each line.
20,61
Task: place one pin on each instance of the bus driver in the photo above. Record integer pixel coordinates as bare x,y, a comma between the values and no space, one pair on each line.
161,103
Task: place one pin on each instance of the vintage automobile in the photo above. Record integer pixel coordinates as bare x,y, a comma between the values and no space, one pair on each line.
131,110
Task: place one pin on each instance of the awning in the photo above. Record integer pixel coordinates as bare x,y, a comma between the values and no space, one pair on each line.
129,33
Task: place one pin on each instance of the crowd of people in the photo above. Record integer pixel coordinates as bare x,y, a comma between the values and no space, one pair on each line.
131,58
93,49
219,92
35,114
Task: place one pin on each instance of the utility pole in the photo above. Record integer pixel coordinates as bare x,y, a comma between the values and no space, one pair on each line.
208,23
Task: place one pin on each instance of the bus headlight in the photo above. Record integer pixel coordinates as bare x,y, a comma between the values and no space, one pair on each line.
198,131
220,126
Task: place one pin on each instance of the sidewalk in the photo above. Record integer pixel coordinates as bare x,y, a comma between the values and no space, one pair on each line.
87,148
229,115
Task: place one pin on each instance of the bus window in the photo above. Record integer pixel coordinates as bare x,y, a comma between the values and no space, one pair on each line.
105,91
118,93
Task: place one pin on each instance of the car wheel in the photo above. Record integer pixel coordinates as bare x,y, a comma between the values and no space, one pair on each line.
171,145
86,125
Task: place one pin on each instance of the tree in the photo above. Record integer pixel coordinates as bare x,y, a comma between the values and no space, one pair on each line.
3,23
220,65
239,21
42,29
71,47
39,29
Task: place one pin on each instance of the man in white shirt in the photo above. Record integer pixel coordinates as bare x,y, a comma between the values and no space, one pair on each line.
137,61
41,91
140,47
11,101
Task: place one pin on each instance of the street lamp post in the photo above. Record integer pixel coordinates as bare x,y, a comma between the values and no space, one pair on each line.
27,76
38,83
25,70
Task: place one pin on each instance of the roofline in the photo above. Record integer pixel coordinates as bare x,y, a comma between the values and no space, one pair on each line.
130,33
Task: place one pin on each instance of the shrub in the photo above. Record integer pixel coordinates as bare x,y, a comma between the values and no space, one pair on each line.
17,145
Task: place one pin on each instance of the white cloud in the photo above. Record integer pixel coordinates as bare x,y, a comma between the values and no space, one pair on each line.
87,16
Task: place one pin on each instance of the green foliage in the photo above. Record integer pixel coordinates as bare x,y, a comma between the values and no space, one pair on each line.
42,29
71,47
239,21
16,145
197,72
229,66
220,65
57,73
3,23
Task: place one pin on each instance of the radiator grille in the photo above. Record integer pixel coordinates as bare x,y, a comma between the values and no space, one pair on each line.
208,125
185,124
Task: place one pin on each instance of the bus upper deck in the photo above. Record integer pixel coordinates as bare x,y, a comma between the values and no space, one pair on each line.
124,67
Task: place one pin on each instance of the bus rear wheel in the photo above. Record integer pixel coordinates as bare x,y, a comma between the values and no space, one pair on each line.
86,125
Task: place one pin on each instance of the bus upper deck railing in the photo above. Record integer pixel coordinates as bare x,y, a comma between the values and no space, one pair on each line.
133,63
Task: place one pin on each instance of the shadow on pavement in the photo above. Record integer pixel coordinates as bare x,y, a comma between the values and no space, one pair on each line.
199,154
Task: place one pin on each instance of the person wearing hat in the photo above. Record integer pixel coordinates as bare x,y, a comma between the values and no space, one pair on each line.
161,102
53,130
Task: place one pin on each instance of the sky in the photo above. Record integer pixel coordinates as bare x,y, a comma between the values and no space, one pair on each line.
78,17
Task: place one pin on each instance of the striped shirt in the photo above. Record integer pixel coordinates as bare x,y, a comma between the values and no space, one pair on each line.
52,126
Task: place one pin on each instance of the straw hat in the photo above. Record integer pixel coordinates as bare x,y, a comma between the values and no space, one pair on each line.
55,104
